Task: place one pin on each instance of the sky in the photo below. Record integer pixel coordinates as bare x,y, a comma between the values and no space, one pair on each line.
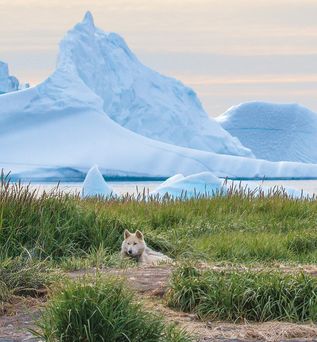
228,51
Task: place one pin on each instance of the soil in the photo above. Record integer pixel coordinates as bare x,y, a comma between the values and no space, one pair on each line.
151,283
18,317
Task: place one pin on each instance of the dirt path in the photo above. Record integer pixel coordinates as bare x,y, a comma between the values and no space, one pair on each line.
144,280
152,282
222,331
20,316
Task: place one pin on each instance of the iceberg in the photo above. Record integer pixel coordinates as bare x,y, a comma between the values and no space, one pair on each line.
273,131
7,83
59,128
201,184
171,180
206,184
95,185
137,97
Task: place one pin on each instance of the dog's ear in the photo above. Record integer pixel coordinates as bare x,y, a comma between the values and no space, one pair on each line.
139,235
126,233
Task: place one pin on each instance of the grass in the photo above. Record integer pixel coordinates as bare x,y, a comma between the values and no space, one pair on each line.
235,228
56,230
24,277
236,296
93,260
304,243
102,310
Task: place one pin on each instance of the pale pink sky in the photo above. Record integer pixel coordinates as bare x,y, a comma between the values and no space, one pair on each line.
229,51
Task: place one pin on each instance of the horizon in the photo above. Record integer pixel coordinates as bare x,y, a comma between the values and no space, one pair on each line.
227,52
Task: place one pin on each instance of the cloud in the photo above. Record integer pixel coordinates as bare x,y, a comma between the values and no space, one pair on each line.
247,80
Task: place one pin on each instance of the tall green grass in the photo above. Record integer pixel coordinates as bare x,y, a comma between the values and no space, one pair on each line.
238,227
53,225
23,276
102,310
252,296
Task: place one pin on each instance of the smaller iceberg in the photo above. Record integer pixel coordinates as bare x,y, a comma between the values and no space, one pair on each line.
7,83
275,132
94,185
204,184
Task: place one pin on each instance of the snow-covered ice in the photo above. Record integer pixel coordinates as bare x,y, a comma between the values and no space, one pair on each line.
139,98
59,128
274,131
95,185
200,184
206,184
7,83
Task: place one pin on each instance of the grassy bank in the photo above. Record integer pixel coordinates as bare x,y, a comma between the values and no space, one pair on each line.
102,310
239,296
236,228
24,277
54,230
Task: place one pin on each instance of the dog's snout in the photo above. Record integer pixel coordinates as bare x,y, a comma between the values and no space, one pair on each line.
129,251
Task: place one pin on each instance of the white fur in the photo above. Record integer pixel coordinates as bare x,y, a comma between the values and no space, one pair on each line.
134,246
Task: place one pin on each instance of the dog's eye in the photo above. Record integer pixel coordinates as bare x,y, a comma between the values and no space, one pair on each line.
129,243
134,243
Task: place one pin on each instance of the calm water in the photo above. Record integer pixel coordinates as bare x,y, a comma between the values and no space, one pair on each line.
120,188
134,187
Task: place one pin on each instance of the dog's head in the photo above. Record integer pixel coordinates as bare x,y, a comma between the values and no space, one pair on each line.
133,244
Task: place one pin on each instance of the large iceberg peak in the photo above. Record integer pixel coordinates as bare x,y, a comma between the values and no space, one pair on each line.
137,97
86,25
88,19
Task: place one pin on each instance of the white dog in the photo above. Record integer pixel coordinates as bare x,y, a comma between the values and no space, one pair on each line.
134,246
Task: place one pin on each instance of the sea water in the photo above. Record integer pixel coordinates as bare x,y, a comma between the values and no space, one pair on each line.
135,187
